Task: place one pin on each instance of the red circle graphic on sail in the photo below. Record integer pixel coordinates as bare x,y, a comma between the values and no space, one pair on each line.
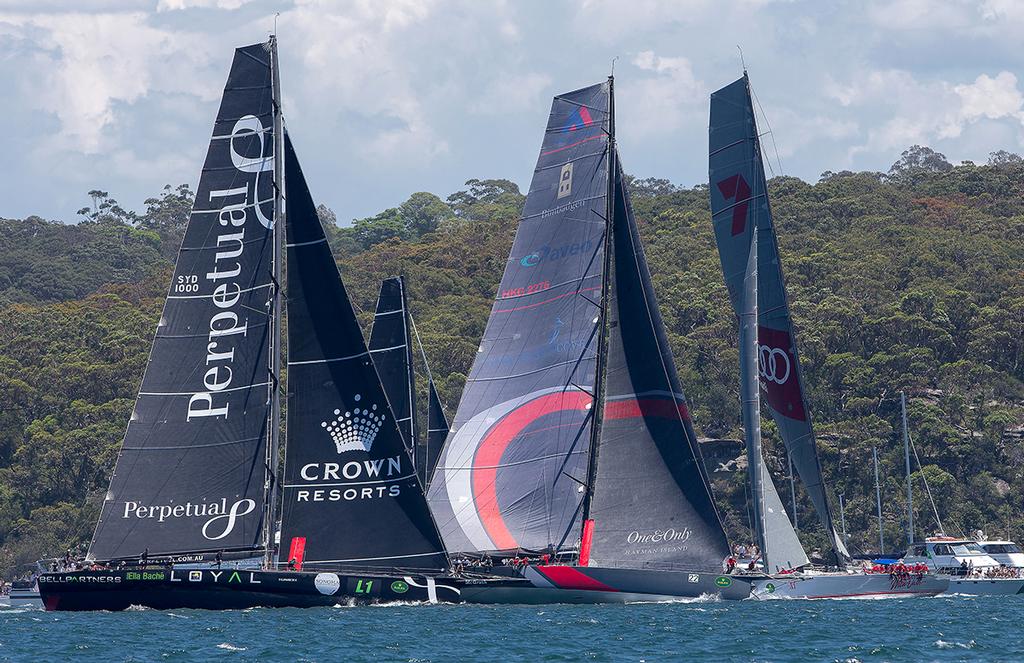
492,448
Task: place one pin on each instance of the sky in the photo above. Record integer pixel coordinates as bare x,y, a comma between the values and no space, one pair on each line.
384,98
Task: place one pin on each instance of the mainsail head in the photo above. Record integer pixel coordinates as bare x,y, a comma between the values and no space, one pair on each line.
191,474
350,489
512,471
739,204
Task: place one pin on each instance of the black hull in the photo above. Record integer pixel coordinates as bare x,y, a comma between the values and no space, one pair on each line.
231,589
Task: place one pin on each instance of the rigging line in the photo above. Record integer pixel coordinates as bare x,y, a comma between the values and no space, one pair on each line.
924,479
778,158
419,344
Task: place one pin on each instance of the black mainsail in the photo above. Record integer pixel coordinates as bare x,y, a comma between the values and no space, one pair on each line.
350,489
652,505
739,205
391,349
513,469
192,473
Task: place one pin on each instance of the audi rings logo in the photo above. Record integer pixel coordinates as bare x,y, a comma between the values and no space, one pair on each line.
773,364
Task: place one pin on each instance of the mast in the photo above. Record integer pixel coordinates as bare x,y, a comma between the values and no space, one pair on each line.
602,337
878,500
842,517
906,456
750,395
792,492
274,347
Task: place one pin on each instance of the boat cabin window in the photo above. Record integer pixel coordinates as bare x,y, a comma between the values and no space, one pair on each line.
967,549
1001,548
942,549
919,551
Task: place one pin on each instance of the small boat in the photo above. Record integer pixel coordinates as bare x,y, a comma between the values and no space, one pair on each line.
22,594
770,371
968,565
1006,553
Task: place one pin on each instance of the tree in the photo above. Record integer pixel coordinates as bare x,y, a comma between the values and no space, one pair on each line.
169,212
1003,158
423,213
105,210
919,159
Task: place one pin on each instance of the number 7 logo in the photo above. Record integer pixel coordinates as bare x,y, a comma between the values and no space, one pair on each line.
736,188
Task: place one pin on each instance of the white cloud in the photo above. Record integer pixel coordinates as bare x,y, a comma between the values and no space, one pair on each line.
86,65
923,111
172,5
515,92
663,100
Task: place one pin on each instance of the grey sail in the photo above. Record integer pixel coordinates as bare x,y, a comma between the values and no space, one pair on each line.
739,203
780,545
652,505
511,471
191,475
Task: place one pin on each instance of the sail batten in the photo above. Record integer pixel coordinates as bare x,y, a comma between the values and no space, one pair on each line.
190,476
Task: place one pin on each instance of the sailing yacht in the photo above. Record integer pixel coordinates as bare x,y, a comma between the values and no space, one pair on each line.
770,370
190,518
572,442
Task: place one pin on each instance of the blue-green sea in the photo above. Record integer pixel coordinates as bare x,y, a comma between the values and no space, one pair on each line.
934,629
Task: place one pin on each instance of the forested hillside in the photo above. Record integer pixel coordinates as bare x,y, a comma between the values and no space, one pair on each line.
909,280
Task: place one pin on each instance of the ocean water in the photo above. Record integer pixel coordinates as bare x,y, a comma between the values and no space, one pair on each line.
926,629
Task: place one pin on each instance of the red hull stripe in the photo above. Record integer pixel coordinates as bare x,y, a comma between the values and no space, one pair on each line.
492,447
567,577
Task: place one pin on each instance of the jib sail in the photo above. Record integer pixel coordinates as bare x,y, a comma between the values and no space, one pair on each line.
652,505
512,471
191,474
437,432
391,349
350,489
739,203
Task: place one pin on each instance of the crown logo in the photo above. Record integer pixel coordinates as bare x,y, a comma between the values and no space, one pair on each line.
354,430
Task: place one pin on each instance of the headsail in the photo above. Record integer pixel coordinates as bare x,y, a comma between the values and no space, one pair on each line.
739,203
191,473
512,471
652,505
391,349
349,487
437,432
780,545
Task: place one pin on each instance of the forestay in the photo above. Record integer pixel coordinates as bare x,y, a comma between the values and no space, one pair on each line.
191,472
512,472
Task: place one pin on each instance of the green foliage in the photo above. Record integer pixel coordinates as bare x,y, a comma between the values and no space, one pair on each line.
911,281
